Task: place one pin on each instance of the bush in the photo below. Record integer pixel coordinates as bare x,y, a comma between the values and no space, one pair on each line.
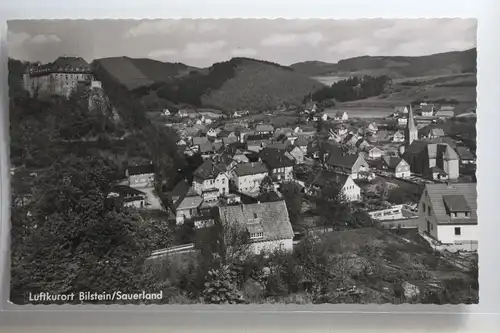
220,287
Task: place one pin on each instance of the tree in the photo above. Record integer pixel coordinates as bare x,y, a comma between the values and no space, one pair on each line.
293,199
71,241
266,185
332,207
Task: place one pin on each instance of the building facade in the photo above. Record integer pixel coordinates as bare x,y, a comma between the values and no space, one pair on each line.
60,77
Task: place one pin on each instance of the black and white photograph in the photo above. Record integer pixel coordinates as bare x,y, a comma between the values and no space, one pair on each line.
243,161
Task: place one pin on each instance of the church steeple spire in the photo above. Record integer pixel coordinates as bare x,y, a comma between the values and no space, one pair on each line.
411,130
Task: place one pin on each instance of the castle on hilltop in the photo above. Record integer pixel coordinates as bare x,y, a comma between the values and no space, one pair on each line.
60,77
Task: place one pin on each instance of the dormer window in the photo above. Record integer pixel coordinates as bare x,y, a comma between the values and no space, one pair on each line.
257,235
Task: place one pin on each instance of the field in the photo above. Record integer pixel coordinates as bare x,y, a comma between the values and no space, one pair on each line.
459,89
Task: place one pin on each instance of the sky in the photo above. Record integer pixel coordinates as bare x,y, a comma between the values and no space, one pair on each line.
203,42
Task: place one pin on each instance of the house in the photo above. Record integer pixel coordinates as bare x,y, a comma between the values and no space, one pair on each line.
350,164
140,176
431,132
187,206
432,160
362,144
130,197
375,153
198,141
296,153
324,116
229,140
465,155
402,121
342,183
210,176
256,145
351,140
448,213
398,166
373,127
182,142
302,143
267,225
183,113
426,110
257,142
398,137
239,114
209,149
213,132
247,177
400,110
341,115
445,111
166,112
264,129
279,162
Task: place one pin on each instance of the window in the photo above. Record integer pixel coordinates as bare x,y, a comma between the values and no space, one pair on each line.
429,210
458,232
453,214
467,214
423,206
254,215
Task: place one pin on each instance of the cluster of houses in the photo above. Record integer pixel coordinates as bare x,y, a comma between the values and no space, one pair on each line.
237,160
425,113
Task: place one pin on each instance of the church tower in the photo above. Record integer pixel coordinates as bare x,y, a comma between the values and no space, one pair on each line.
411,132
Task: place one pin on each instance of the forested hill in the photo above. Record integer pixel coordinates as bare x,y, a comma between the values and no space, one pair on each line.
240,83
447,63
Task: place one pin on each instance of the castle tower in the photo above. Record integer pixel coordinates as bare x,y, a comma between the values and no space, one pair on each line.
411,131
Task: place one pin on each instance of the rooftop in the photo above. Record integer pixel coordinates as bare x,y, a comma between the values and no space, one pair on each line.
270,218
252,168
73,65
209,170
140,169
441,195
276,158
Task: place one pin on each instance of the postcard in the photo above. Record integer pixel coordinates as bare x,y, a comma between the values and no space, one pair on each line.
243,161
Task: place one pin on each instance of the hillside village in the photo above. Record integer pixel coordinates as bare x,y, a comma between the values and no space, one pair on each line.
303,172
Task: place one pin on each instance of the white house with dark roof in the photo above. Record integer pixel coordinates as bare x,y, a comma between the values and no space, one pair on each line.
267,224
396,165
279,162
343,184
247,177
141,176
448,213
352,165
130,197
264,129
211,175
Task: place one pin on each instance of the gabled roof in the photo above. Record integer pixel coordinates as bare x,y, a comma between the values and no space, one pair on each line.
275,158
391,161
209,170
200,140
264,128
340,113
464,153
189,202
270,217
328,176
301,141
141,169
180,189
343,161
437,194
251,168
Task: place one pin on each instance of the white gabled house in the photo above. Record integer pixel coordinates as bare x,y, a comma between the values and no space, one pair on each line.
448,213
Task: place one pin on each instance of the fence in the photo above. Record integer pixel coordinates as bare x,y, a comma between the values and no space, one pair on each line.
172,250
